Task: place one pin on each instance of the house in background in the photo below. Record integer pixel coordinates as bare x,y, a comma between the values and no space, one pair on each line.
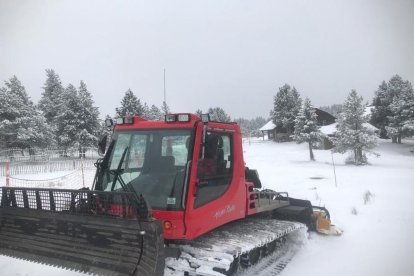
324,118
280,134
272,132
330,130
268,130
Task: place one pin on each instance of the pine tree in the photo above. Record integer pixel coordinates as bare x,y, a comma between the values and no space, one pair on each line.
306,127
34,132
21,125
4,107
68,119
145,111
152,113
251,127
286,106
352,134
165,109
389,101
218,114
130,105
78,123
88,118
381,110
256,124
51,102
402,113
155,113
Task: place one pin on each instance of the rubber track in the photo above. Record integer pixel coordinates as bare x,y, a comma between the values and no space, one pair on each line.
275,263
212,254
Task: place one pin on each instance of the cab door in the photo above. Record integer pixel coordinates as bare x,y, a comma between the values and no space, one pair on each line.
218,194
215,171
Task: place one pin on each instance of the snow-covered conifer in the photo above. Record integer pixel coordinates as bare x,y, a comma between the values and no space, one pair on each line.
22,125
77,123
286,106
165,109
251,127
51,101
67,120
352,133
306,127
389,102
155,113
130,105
218,114
88,118
34,131
381,110
145,111
402,113
152,113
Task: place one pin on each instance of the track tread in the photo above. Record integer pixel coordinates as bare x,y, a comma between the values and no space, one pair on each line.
215,251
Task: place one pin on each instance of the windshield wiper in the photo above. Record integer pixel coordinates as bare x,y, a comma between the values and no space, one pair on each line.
118,172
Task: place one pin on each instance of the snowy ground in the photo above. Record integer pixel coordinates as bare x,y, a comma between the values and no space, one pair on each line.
378,240
378,237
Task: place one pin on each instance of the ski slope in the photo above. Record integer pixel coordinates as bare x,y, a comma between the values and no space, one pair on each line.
378,238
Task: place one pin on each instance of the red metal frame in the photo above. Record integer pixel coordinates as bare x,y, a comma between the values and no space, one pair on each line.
232,205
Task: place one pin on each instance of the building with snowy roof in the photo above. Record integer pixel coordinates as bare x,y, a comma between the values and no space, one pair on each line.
329,132
280,134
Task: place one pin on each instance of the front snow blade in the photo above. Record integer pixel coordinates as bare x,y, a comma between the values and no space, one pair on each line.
89,231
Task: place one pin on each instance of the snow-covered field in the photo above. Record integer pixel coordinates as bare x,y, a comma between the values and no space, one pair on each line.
378,237
378,240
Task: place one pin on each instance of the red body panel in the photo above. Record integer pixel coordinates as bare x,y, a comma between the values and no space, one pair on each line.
232,205
176,218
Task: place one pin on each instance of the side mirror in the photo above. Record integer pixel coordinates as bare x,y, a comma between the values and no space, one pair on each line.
102,145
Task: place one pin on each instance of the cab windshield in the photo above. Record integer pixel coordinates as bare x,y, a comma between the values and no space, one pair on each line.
155,165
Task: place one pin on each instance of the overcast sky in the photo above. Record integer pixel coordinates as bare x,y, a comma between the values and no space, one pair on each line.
232,54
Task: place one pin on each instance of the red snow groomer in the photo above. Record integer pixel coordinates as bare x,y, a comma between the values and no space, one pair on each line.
170,196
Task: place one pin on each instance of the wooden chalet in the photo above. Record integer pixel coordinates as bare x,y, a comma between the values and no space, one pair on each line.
281,134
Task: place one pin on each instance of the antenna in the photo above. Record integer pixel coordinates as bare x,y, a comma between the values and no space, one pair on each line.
165,91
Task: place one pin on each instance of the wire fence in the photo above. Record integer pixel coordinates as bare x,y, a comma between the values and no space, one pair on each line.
28,167
75,179
39,155
48,168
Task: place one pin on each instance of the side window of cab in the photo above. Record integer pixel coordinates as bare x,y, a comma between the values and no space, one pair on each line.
215,170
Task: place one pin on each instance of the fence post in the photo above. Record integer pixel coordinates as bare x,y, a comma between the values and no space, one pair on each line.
7,173
83,175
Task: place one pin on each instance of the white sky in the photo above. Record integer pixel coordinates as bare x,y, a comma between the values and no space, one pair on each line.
232,54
